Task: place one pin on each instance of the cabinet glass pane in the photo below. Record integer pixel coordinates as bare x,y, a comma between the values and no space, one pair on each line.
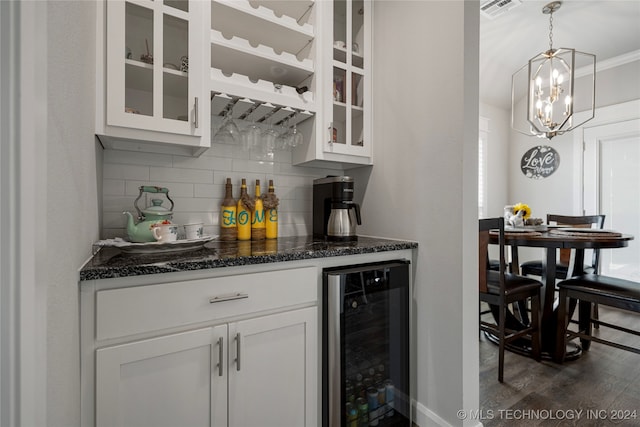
139,60
357,134
339,81
357,35
175,91
138,95
339,130
175,66
340,30
178,4
357,128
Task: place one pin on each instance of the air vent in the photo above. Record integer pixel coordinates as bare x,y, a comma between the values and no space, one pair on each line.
494,8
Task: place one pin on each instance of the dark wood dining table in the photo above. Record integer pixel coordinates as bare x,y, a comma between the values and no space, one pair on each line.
552,240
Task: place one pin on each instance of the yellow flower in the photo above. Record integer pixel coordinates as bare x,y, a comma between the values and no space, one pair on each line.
522,207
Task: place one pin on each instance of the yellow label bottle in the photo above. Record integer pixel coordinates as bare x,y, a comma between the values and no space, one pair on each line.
258,223
271,212
243,217
228,212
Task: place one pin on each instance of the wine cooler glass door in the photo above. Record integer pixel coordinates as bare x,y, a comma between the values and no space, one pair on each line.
366,348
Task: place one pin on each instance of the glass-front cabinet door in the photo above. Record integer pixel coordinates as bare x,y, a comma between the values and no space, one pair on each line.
154,65
349,110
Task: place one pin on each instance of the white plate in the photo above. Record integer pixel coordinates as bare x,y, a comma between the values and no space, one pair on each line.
589,230
526,228
155,247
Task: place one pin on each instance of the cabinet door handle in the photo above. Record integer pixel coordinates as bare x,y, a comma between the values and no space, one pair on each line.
220,356
228,297
195,113
238,346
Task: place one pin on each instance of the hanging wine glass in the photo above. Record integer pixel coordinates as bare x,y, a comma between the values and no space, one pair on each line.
295,137
251,136
269,136
228,132
282,141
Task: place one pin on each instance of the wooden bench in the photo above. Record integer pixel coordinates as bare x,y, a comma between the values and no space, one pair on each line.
592,289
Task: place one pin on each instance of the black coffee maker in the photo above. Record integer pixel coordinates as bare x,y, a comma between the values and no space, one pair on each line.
335,214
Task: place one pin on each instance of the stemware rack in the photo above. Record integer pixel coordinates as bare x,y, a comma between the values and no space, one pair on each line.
256,111
262,60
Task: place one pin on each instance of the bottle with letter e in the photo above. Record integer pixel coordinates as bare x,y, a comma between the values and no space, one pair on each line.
228,211
271,212
258,223
244,213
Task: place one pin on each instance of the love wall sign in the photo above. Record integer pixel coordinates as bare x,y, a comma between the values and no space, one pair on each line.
539,162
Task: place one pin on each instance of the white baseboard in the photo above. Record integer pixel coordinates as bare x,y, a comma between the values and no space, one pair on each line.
425,417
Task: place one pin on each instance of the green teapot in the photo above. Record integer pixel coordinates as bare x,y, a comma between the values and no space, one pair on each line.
143,231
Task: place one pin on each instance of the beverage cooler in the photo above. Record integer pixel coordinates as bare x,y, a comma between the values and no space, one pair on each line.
366,345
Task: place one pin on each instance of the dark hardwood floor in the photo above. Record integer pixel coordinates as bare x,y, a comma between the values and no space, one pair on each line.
604,383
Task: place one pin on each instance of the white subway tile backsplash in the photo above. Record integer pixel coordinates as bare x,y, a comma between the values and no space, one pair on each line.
240,165
219,150
122,171
137,158
197,186
118,204
113,187
181,175
114,220
196,204
175,188
206,163
208,190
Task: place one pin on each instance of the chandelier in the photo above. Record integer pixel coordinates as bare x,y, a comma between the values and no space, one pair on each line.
552,93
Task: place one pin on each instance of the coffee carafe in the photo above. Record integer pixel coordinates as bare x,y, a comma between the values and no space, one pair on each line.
335,214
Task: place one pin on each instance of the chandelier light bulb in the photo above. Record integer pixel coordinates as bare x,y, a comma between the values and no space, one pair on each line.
567,105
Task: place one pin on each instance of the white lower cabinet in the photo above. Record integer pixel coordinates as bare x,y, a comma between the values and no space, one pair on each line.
167,381
273,370
250,359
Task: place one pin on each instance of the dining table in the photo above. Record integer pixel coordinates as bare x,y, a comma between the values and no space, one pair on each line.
552,239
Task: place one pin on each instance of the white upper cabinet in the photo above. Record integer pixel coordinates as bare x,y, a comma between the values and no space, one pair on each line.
169,71
344,134
153,76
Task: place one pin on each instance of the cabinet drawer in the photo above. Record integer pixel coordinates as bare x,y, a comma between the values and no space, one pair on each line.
127,311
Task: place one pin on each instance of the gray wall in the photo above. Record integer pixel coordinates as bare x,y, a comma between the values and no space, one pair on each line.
71,208
424,185
498,161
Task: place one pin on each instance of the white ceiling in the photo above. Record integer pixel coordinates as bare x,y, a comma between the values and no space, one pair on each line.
605,28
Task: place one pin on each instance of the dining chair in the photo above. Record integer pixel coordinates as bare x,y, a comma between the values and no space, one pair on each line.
590,289
534,268
499,289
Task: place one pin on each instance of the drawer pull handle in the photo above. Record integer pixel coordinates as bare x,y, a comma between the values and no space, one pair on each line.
228,297
220,356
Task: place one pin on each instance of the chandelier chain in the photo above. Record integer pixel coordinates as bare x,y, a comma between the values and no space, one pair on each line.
551,31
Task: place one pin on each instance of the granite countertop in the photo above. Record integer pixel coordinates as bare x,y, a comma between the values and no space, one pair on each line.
110,262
